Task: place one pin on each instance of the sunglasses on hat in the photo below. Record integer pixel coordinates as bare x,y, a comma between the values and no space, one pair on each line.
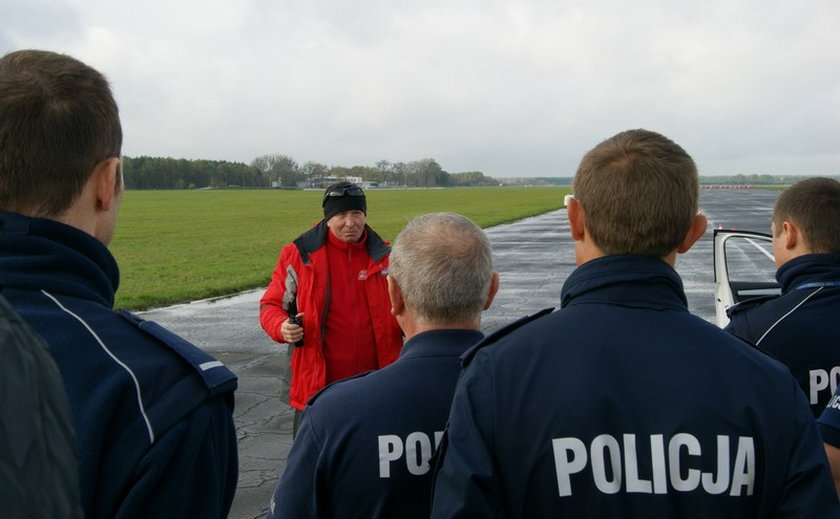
344,191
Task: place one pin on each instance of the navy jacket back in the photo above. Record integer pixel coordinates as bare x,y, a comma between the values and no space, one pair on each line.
152,412
622,404
800,328
364,443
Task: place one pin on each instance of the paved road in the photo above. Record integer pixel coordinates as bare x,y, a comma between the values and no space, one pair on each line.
533,256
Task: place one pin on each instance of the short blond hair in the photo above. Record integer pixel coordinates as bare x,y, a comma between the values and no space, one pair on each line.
639,193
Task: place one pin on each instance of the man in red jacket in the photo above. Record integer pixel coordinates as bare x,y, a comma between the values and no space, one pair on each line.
329,297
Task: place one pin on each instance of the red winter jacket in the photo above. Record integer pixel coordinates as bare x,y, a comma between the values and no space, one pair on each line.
301,276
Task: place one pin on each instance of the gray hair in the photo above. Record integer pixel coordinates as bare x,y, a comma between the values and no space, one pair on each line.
443,264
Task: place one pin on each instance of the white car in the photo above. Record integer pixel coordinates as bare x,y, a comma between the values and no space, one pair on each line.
744,269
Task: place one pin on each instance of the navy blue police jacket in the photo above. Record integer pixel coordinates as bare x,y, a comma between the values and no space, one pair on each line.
364,443
800,328
829,421
152,412
623,404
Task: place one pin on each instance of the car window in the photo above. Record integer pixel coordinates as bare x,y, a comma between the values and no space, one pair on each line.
744,269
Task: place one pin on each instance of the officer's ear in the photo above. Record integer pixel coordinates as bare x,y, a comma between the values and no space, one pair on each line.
395,296
107,182
577,220
791,236
697,229
494,287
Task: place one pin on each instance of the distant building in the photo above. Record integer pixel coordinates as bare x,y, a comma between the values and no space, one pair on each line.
322,182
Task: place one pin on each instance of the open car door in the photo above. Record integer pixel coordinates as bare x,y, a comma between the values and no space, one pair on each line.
744,269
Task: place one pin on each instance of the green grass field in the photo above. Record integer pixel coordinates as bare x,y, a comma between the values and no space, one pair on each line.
176,246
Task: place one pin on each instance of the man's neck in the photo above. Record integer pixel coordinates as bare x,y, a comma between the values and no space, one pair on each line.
412,329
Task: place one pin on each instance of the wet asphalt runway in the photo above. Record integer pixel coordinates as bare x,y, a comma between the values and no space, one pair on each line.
533,257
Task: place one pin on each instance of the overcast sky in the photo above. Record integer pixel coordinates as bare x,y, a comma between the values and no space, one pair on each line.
510,88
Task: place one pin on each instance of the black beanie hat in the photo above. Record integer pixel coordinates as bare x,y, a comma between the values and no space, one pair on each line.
343,196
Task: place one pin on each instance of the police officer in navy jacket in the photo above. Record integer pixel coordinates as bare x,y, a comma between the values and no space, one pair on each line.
801,328
622,403
364,443
152,412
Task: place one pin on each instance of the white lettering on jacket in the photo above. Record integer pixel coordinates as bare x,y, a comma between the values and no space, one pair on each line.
614,464
417,449
820,380
834,403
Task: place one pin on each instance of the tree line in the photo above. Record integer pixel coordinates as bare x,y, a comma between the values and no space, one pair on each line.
277,170
755,179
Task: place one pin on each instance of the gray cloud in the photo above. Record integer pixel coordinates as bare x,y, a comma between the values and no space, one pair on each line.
505,87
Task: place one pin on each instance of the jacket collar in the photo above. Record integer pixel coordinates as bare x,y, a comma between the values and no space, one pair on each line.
316,237
808,268
440,343
627,280
333,240
39,253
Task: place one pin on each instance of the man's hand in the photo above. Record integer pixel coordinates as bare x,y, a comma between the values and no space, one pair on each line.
292,333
